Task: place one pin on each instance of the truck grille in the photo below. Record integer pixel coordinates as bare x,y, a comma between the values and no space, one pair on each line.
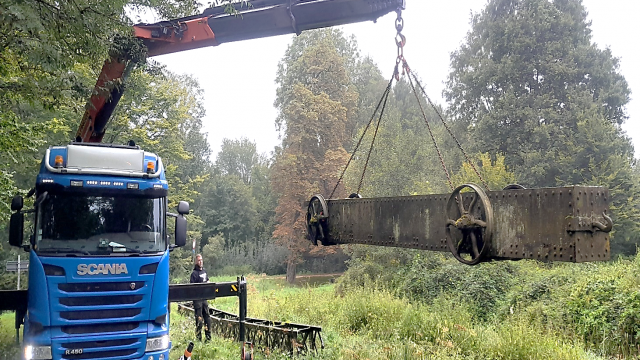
98,344
99,314
101,300
101,287
101,354
99,328
102,318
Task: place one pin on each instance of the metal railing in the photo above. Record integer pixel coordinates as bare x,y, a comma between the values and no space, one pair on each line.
265,334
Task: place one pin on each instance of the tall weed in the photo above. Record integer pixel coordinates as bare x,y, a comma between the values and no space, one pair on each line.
9,350
376,324
594,304
606,308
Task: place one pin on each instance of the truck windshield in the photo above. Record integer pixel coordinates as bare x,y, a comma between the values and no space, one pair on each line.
100,225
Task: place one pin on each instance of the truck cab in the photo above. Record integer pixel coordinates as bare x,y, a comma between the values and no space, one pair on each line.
99,254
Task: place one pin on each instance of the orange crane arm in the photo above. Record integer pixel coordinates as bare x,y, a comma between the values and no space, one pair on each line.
213,27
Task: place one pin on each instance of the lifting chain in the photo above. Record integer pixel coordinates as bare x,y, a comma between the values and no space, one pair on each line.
405,67
373,140
401,41
382,102
486,186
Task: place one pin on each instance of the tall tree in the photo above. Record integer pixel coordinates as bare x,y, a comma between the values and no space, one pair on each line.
228,209
523,80
531,85
315,99
237,202
318,79
238,157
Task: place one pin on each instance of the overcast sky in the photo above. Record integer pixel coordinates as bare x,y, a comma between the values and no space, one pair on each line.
238,78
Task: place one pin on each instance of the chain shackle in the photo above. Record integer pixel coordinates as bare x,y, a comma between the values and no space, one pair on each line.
400,40
399,21
396,72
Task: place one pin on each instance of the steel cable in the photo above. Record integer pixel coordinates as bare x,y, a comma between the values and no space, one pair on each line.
385,95
444,123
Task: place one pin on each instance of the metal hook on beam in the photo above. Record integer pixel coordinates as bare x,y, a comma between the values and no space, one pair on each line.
603,227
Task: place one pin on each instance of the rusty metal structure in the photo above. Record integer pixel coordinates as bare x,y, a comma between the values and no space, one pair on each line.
265,334
548,224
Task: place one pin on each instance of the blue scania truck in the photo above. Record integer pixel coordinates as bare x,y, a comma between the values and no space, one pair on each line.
99,254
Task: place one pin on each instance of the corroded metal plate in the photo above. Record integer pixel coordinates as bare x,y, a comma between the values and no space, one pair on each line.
547,224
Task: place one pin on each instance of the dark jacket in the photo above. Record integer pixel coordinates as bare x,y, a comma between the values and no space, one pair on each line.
199,276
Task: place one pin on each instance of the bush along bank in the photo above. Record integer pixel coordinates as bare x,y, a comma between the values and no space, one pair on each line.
595,304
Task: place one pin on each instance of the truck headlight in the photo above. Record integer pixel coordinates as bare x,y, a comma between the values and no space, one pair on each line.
159,343
37,352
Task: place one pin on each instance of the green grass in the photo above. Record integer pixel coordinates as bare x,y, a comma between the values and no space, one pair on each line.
586,311
375,324
182,331
8,347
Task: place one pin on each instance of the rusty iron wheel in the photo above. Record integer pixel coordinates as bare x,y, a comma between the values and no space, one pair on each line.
469,224
317,215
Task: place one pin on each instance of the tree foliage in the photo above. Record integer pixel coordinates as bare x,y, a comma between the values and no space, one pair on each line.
529,84
494,173
42,41
238,158
237,208
316,99
229,209
526,77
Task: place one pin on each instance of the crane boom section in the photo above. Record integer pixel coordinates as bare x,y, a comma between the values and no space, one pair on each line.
262,18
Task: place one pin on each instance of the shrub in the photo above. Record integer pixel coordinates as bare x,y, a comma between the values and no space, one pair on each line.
606,307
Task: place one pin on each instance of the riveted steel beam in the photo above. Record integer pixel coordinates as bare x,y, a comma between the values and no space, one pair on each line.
548,224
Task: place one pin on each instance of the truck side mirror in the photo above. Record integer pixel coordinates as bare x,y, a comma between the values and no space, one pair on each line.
183,208
16,228
181,229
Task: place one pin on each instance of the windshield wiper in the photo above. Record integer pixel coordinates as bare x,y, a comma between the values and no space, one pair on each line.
60,250
151,251
116,245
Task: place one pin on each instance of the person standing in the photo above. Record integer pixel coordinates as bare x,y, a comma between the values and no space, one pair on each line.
201,307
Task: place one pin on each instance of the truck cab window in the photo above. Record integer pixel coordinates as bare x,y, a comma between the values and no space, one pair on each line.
90,223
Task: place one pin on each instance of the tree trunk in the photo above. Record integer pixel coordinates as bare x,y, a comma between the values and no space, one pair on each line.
291,272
